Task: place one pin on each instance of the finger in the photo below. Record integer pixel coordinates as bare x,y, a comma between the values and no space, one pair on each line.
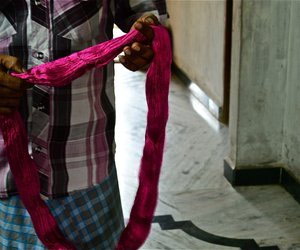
151,19
6,111
139,50
137,57
145,29
9,102
9,81
11,63
136,60
127,50
6,92
128,64
143,51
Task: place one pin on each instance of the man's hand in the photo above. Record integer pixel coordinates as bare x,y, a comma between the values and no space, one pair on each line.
138,56
11,88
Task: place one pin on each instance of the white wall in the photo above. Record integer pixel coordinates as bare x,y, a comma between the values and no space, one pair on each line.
265,89
198,35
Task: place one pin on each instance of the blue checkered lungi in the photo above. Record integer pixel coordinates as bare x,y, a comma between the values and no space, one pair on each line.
91,218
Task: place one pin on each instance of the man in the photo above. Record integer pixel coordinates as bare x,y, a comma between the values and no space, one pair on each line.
71,129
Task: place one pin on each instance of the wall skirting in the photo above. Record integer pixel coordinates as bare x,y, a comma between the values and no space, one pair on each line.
263,176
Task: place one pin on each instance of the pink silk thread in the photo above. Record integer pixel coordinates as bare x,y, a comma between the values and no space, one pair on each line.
61,72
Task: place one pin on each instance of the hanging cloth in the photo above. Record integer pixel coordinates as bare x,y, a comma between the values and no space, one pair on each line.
63,71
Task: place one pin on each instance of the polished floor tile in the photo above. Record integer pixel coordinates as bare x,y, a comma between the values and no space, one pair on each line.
192,185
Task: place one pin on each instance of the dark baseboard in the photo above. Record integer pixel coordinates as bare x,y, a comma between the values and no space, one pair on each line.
263,176
291,184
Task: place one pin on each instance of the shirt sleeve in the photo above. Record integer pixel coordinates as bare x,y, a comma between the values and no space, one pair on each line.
128,11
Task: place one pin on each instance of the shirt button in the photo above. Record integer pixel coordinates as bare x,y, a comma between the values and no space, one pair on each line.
41,107
40,55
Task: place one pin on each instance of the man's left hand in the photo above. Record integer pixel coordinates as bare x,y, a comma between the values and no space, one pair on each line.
138,56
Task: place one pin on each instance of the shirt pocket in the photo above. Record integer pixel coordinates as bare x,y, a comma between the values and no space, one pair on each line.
83,31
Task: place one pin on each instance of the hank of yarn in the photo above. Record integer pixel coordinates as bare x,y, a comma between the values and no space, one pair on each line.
61,72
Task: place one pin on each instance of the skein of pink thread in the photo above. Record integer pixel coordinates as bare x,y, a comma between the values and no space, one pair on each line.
61,72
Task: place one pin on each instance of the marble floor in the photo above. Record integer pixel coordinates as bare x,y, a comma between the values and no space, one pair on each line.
192,185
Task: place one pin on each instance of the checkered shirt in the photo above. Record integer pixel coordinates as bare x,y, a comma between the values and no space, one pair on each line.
71,129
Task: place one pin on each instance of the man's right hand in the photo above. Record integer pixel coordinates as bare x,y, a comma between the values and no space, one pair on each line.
11,88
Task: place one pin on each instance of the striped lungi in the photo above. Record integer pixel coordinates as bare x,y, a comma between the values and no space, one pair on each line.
91,218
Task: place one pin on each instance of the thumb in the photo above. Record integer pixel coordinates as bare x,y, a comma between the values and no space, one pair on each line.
11,63
16,67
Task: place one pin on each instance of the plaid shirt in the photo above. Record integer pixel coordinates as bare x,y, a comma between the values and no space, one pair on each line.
71,129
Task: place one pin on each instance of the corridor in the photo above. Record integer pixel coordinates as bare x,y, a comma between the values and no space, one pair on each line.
192,185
